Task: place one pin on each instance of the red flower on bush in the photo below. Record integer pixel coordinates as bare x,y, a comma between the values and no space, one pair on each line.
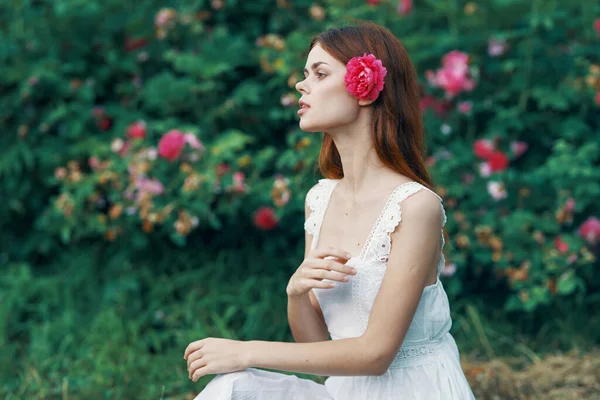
597,26
134,44
598,98
483,148
405,7
137,130
171,145
374,2
265,218
364,76
590,230
560,245
498,161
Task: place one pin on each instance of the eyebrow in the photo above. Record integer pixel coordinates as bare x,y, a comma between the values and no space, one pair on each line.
315,65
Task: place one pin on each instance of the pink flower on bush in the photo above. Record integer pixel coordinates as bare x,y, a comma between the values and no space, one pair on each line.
483,148
405,7
193,141
597,26
560,245
365,77
137,130
518,148
570,205
590,230
153,186
484,169
171,145
454,76
497,47
265,218
598,98
498,161
374,2
497,190
449,270
465,107
238,182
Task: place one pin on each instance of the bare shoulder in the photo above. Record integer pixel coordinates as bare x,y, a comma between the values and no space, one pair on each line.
423,207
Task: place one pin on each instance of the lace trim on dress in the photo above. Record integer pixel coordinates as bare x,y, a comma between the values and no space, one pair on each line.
317,200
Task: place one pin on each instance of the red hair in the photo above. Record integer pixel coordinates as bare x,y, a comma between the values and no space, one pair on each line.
397,128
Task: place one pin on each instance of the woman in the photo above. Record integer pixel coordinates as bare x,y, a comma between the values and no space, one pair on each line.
374,240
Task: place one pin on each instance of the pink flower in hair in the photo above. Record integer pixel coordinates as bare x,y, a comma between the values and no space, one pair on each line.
364,77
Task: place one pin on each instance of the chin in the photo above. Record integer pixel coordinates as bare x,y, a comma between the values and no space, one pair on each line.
308,127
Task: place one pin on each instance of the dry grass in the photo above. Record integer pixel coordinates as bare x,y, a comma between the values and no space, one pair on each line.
565,377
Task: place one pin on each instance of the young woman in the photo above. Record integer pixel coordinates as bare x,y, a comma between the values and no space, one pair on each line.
374,240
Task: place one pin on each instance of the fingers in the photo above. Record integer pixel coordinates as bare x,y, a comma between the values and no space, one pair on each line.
192,347
331,251
332,265
321,274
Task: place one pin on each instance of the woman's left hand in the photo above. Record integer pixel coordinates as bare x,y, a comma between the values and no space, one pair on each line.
215,356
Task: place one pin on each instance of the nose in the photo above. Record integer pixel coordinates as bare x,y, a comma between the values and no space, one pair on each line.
301,86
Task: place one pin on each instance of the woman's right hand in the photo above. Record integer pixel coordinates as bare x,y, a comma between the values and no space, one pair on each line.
315,268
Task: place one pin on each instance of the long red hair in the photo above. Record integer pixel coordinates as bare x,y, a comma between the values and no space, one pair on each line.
397,119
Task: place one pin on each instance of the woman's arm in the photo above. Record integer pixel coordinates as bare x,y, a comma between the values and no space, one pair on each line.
304,314
413,256
414,253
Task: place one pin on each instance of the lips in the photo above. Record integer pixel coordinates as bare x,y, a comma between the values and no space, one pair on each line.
303,107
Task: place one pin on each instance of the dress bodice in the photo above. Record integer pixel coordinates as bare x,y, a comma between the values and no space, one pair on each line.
347,306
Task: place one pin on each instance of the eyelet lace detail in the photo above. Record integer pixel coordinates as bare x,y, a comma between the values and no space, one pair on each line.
317,199
375,253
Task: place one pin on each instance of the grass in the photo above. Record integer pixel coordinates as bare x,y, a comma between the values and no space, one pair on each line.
118,332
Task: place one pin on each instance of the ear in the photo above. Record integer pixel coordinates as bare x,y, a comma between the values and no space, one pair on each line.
364,102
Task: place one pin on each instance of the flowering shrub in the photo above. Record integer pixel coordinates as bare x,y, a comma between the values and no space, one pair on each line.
187,124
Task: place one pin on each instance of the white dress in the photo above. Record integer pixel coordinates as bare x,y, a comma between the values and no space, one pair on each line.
427,366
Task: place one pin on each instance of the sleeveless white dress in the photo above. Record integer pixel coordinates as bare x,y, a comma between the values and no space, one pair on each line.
427,366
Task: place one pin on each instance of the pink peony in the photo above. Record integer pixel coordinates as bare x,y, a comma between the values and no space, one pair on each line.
455,60
498,161
364,77
590,230
454,80
137,130
483,148
454,75
171,145
405,7
265,218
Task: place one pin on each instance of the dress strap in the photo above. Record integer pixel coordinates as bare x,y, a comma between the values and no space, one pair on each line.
317,200
380,245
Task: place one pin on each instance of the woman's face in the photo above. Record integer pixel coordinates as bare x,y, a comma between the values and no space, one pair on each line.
324,91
